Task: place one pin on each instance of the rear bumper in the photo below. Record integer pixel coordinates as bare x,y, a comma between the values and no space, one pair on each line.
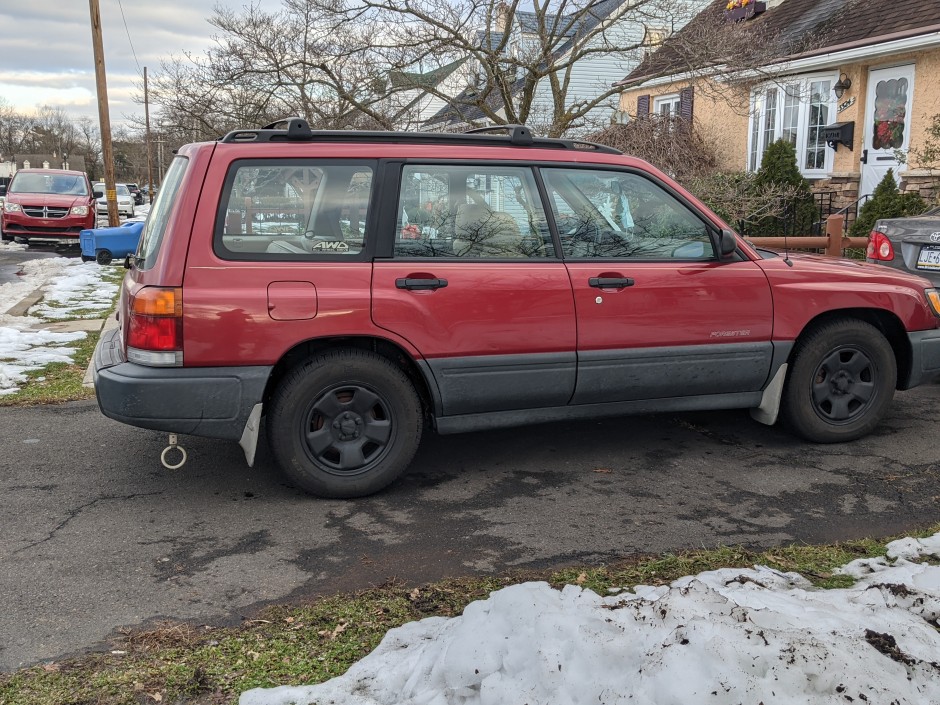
201,401
925,357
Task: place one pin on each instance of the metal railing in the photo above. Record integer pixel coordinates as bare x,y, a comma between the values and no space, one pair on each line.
834,242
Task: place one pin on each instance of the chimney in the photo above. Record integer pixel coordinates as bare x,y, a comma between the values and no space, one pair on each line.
502,17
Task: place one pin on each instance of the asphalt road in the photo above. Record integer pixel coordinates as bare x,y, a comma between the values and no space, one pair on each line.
96,535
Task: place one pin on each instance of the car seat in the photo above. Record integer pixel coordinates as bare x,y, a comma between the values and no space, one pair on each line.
482,232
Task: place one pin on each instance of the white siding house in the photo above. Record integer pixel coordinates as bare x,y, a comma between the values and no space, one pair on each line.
587,78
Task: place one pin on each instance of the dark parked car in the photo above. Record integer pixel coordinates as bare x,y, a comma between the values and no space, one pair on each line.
911,244
136,193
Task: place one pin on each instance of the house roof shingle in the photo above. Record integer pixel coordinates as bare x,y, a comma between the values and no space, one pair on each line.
794,25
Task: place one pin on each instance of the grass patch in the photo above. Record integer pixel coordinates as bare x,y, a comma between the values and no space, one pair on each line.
58,381
310,643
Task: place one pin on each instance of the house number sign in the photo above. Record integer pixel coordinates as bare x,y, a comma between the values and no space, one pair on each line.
847,104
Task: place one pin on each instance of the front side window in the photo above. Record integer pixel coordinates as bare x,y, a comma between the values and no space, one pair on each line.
617,215
796,112
471,212
278,210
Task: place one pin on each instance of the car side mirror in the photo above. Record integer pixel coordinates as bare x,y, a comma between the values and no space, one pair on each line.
727,243
98,194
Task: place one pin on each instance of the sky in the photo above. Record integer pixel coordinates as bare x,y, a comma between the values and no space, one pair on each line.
48,58
723,637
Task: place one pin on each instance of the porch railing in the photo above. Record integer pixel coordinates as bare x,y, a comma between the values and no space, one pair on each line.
834,242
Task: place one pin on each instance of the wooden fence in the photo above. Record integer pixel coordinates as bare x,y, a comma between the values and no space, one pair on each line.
834,242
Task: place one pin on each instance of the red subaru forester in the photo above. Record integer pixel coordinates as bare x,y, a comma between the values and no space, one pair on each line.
352,287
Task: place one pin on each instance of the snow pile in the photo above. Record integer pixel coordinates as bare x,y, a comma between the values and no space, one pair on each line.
71,289
78,287
721,637
23,350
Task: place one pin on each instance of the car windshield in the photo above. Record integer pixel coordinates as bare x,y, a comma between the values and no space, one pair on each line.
122,190
65,184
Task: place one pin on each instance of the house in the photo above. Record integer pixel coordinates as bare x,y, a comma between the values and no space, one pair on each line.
417,94
606,39
848,82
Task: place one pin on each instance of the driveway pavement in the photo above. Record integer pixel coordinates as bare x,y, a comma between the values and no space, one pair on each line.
97,536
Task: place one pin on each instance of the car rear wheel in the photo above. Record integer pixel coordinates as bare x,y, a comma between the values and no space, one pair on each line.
841,381
345,423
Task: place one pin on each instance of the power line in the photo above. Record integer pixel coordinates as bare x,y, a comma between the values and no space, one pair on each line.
126,29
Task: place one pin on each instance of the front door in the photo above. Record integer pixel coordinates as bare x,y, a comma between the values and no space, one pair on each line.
658,315
887,123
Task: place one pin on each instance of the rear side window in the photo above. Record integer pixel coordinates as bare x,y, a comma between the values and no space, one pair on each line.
483,211
155,227
297,209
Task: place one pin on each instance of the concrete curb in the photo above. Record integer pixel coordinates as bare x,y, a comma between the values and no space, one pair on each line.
24,304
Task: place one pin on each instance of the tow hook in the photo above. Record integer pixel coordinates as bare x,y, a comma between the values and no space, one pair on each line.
174,446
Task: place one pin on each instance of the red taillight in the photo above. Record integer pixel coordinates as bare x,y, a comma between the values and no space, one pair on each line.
879,247
152,333
155,323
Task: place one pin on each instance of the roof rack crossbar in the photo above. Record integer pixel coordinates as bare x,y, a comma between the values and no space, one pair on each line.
519,135
298,129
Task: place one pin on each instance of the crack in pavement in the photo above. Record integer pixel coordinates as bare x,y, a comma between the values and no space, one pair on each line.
78,510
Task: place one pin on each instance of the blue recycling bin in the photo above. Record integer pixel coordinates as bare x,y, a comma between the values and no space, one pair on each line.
104,244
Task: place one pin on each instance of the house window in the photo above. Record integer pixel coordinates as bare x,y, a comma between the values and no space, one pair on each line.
795,111
666,105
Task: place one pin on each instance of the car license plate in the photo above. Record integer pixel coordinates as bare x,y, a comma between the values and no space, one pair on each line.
929,258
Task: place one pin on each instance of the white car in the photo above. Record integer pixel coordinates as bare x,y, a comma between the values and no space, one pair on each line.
125,200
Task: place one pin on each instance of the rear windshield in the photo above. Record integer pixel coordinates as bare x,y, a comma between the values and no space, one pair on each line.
155,227
60,184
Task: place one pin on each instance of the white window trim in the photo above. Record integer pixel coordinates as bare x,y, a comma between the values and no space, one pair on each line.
802,131
671,99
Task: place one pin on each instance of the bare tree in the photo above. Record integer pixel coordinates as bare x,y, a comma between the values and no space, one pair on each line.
333,61
523,58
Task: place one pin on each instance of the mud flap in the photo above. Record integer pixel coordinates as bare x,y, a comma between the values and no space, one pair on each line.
769,407
249,439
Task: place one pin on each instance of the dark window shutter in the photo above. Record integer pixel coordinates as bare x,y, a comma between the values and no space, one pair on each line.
642,106
686,99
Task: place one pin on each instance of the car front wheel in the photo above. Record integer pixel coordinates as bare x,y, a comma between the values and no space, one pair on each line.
345,423
841,382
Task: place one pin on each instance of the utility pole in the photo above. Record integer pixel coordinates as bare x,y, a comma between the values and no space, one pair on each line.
104,117
149,151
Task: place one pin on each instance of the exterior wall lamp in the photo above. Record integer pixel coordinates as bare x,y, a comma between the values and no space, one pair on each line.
842,86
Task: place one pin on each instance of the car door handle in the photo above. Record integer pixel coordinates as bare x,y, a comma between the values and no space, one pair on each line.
408,283
610,282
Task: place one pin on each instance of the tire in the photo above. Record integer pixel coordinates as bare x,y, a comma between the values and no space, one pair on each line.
103,257
4,237
841,382
345,423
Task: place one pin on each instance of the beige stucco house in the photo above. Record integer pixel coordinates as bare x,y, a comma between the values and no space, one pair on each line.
865,83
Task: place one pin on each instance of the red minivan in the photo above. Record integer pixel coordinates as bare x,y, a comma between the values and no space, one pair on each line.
353,288
47,203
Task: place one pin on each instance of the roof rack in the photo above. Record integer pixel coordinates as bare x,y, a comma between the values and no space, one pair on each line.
297,129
